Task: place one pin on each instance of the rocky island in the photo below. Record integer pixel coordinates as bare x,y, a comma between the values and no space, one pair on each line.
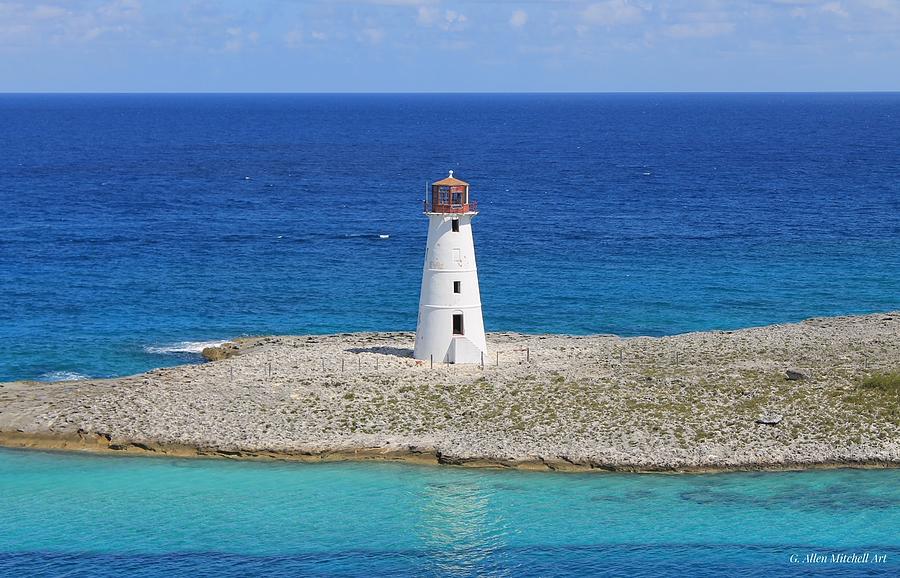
823,392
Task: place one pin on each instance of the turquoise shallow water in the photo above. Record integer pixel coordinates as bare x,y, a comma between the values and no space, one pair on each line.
89,515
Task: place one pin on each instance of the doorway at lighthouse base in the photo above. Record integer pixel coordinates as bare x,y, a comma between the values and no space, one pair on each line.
463,351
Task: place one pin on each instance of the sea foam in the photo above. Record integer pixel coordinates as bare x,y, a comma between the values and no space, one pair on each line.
62,376
182,347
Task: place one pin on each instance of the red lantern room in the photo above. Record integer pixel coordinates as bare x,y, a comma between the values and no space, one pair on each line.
450,195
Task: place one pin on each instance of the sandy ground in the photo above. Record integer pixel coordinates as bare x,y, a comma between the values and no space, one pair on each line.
689,402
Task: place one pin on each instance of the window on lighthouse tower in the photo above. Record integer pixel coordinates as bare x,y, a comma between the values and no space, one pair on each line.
457,324
454,225
457,286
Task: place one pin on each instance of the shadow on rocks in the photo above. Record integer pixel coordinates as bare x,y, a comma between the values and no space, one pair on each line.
395,351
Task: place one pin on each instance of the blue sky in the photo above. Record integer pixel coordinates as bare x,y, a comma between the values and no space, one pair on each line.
438,45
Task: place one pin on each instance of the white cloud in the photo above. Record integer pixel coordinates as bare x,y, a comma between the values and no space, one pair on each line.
233,42
699,29
427,15
236,38
571,27
45,12
22,24
518,18
450,20
14,34
890,7
612,13
120,10
373,35
454,20
835,8
296,37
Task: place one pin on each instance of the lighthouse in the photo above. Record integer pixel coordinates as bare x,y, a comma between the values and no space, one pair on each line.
450,327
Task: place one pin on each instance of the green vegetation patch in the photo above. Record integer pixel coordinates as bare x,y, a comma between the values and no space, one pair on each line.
883,382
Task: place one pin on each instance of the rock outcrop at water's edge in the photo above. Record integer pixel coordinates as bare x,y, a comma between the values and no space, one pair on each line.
692,402
220,352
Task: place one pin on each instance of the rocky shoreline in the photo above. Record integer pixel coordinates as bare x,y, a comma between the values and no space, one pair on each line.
790,396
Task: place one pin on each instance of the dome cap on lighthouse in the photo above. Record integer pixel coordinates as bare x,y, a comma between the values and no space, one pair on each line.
451,180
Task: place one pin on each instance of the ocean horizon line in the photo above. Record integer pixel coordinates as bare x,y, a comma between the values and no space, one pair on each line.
461,92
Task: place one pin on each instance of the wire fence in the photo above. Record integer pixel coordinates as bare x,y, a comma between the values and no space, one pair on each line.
378,359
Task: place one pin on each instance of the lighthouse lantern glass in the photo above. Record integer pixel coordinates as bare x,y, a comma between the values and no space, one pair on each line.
450,198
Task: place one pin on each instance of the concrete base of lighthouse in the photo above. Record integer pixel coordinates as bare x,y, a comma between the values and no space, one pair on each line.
450,327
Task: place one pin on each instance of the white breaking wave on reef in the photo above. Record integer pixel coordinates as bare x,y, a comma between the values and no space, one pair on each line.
182,347
62,376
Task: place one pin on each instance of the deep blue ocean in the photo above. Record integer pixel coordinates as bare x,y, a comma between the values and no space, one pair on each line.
134,228
132,224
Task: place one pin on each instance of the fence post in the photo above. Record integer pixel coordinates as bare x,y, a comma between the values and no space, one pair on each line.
432,361
376,364
323,363
360,362
482,360
527,355
498,359
342,365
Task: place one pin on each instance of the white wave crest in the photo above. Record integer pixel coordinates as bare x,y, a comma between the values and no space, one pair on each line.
182,347
61,376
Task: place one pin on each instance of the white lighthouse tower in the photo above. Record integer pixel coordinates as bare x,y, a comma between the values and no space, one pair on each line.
450,327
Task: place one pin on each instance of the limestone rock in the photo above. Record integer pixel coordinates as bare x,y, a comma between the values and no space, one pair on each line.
770,419
223,351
